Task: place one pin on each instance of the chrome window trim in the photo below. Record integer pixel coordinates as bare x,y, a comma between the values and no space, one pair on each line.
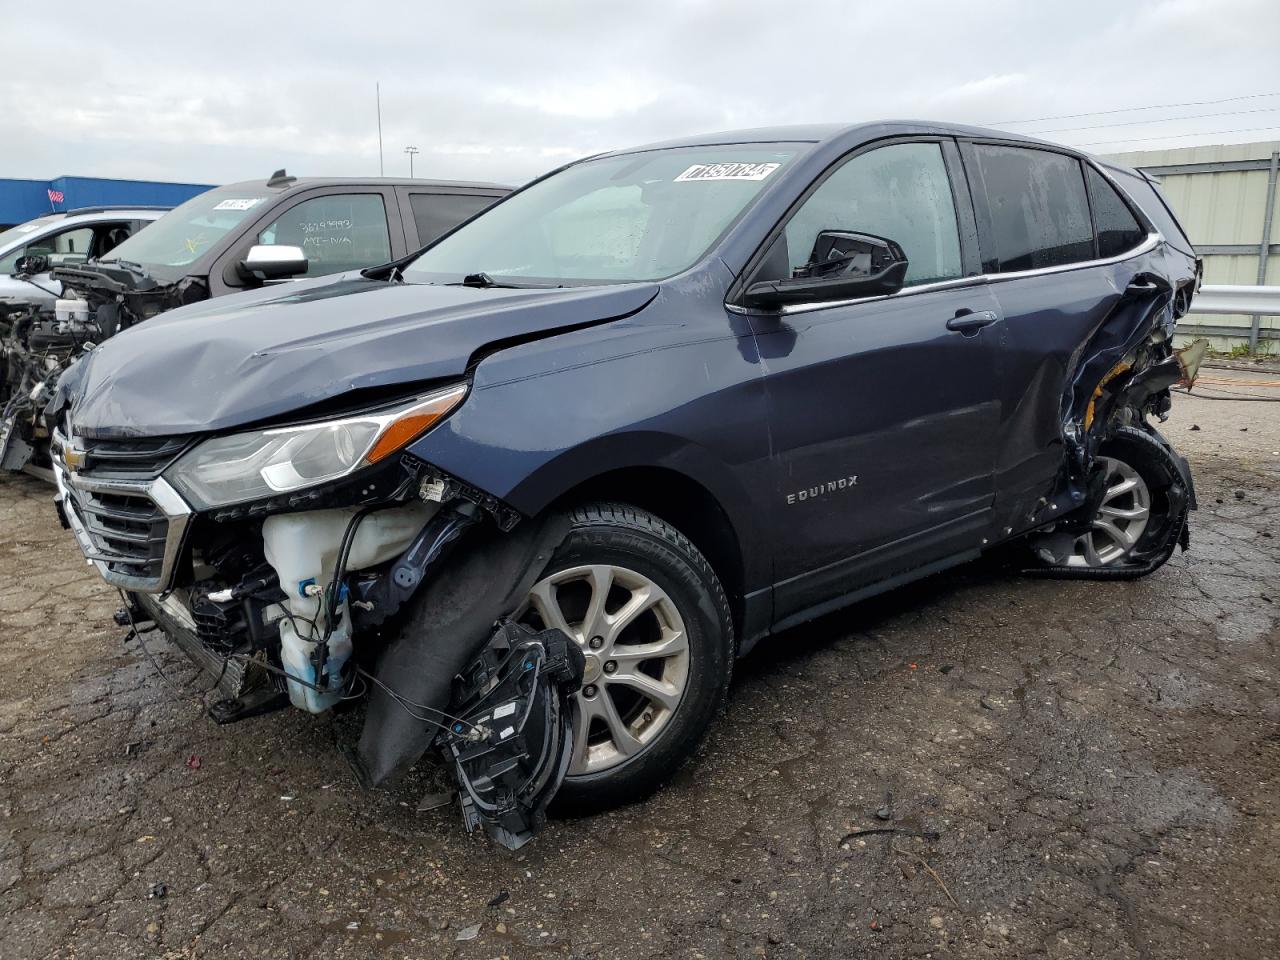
1147,245
176,512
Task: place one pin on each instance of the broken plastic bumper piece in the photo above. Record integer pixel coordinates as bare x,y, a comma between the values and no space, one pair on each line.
511,739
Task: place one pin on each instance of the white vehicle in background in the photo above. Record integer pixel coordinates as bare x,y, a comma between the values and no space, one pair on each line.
76,236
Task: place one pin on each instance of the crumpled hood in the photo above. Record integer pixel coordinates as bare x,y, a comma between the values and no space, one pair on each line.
245,358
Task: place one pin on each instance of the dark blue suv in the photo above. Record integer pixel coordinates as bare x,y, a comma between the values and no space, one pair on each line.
536,487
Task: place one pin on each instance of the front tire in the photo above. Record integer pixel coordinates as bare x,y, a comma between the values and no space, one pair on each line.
652,618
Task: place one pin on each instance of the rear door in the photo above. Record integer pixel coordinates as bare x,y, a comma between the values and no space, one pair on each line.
1059,281
882,411
429,214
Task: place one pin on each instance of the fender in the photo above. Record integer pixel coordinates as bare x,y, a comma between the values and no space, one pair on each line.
683,393
533,492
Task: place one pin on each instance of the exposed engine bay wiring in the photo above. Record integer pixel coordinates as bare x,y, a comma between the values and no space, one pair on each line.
155,664
359,674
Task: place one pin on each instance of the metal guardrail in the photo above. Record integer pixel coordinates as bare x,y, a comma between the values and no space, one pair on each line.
1221,298
1236,299
1232,299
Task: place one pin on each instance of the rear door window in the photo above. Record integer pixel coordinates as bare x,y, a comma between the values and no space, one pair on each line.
338,232
1035,209
1117,228
1147,196
434,214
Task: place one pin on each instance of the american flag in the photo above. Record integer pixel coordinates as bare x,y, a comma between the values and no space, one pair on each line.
56,196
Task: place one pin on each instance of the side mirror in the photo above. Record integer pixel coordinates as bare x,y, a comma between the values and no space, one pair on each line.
842,266
30,265
272,262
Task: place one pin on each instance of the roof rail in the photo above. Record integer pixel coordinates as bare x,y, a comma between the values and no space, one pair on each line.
109,207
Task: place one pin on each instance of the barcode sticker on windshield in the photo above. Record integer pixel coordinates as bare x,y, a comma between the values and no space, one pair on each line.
728,171
244,204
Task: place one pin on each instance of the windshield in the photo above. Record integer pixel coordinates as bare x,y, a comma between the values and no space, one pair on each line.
23,231
639,216
187,232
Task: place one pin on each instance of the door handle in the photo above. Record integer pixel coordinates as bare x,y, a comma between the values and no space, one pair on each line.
969,322
1143,284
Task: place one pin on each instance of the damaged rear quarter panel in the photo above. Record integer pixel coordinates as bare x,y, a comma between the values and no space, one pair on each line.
1062,333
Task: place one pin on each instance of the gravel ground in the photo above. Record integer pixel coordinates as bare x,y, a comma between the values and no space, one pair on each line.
975,766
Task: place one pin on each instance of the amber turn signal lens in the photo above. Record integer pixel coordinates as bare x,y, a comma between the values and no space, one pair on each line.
414,422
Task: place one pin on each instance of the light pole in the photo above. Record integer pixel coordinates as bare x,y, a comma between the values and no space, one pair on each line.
411,151
377,91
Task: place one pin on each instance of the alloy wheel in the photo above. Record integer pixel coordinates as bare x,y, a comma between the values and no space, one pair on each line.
637,657
1121,518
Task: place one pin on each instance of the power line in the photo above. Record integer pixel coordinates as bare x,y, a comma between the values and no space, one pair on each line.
1150,106
1177,136
1134,123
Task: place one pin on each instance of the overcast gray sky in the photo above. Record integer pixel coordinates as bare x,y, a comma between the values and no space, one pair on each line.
504,91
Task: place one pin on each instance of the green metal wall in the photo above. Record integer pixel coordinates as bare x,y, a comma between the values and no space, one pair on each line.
1220,195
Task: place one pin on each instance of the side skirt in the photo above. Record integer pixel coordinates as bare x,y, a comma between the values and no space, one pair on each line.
873,589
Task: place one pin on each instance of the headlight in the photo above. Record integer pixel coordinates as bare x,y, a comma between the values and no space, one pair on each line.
262,463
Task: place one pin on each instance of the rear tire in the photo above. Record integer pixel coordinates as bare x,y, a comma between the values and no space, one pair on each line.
1139,521
654,622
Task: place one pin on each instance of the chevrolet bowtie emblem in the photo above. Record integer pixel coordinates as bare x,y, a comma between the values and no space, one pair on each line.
73,456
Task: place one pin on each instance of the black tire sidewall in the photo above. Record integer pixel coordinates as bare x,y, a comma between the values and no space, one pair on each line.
1153,463
637,541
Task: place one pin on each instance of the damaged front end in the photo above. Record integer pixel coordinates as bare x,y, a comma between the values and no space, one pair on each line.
36,345
292,591
1118,469
119,295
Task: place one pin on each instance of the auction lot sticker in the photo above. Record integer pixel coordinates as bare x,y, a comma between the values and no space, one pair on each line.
727,171
235,204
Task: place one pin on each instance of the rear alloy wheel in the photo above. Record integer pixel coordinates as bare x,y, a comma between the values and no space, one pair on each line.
1120,520
653,623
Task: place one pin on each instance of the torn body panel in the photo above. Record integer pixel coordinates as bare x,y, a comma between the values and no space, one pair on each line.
1120,380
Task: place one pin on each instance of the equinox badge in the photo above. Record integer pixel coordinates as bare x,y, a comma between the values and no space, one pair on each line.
809,493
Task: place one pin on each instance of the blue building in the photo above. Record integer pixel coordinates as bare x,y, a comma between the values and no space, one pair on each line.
23,200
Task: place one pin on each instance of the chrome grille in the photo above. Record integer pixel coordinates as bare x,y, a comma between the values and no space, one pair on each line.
140,459
127,519
127,528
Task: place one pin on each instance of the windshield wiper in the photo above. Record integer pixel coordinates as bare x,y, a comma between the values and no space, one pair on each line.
480,279
128,265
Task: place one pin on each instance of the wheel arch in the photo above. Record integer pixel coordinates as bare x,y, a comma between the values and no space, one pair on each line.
679,483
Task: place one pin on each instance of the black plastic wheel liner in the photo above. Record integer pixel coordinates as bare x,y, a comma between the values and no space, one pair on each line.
486,578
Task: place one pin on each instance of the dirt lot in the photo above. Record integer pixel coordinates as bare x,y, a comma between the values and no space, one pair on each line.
1067,770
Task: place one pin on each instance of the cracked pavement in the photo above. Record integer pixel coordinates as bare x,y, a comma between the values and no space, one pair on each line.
978,765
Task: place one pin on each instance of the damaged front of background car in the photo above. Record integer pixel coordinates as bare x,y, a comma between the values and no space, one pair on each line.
532,492
228,239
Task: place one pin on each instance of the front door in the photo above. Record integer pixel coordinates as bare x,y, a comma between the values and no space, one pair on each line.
883,412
